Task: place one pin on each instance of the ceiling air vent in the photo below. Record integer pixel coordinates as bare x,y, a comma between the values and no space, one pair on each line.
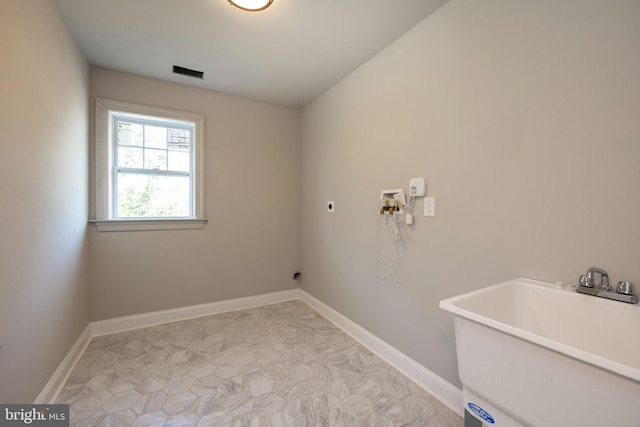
188,72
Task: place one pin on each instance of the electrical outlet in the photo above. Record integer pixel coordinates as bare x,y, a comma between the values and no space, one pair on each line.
429,206
331,206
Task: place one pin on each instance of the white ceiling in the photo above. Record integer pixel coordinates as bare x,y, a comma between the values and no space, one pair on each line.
286,55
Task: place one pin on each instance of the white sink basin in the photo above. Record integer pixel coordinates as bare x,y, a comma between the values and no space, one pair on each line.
534,355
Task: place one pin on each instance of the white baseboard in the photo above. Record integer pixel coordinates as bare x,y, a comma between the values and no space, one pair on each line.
437,386
54,386
137,321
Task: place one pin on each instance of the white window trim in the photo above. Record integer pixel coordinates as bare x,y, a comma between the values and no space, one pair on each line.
104,171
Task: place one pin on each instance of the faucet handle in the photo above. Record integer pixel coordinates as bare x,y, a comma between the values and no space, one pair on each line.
584,281
625,288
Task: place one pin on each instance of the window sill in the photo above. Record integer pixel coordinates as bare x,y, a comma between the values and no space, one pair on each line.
148,224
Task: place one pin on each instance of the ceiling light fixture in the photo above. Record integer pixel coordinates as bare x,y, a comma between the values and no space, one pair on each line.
251,5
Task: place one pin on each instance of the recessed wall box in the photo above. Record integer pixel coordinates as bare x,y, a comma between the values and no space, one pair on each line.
417,187
397,196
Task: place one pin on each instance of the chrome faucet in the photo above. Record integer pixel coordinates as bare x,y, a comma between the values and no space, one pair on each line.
625,291
604,278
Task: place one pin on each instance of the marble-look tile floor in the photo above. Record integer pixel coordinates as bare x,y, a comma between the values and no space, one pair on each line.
278,365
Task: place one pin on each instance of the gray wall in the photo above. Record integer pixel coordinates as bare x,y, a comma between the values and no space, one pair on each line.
523,118
250,245
44,293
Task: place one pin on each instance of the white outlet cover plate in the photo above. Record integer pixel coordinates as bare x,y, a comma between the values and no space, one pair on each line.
429,206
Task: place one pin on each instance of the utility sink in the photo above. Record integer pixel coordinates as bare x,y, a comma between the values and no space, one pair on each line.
531,354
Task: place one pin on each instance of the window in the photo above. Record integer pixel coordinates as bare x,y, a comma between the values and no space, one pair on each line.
148,168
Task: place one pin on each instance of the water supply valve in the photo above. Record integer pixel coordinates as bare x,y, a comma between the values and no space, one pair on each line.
391,206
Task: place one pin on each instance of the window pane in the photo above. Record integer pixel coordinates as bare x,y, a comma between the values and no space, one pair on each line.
155,159
129,134
155,137
142,195
179,161
179,139
130,157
